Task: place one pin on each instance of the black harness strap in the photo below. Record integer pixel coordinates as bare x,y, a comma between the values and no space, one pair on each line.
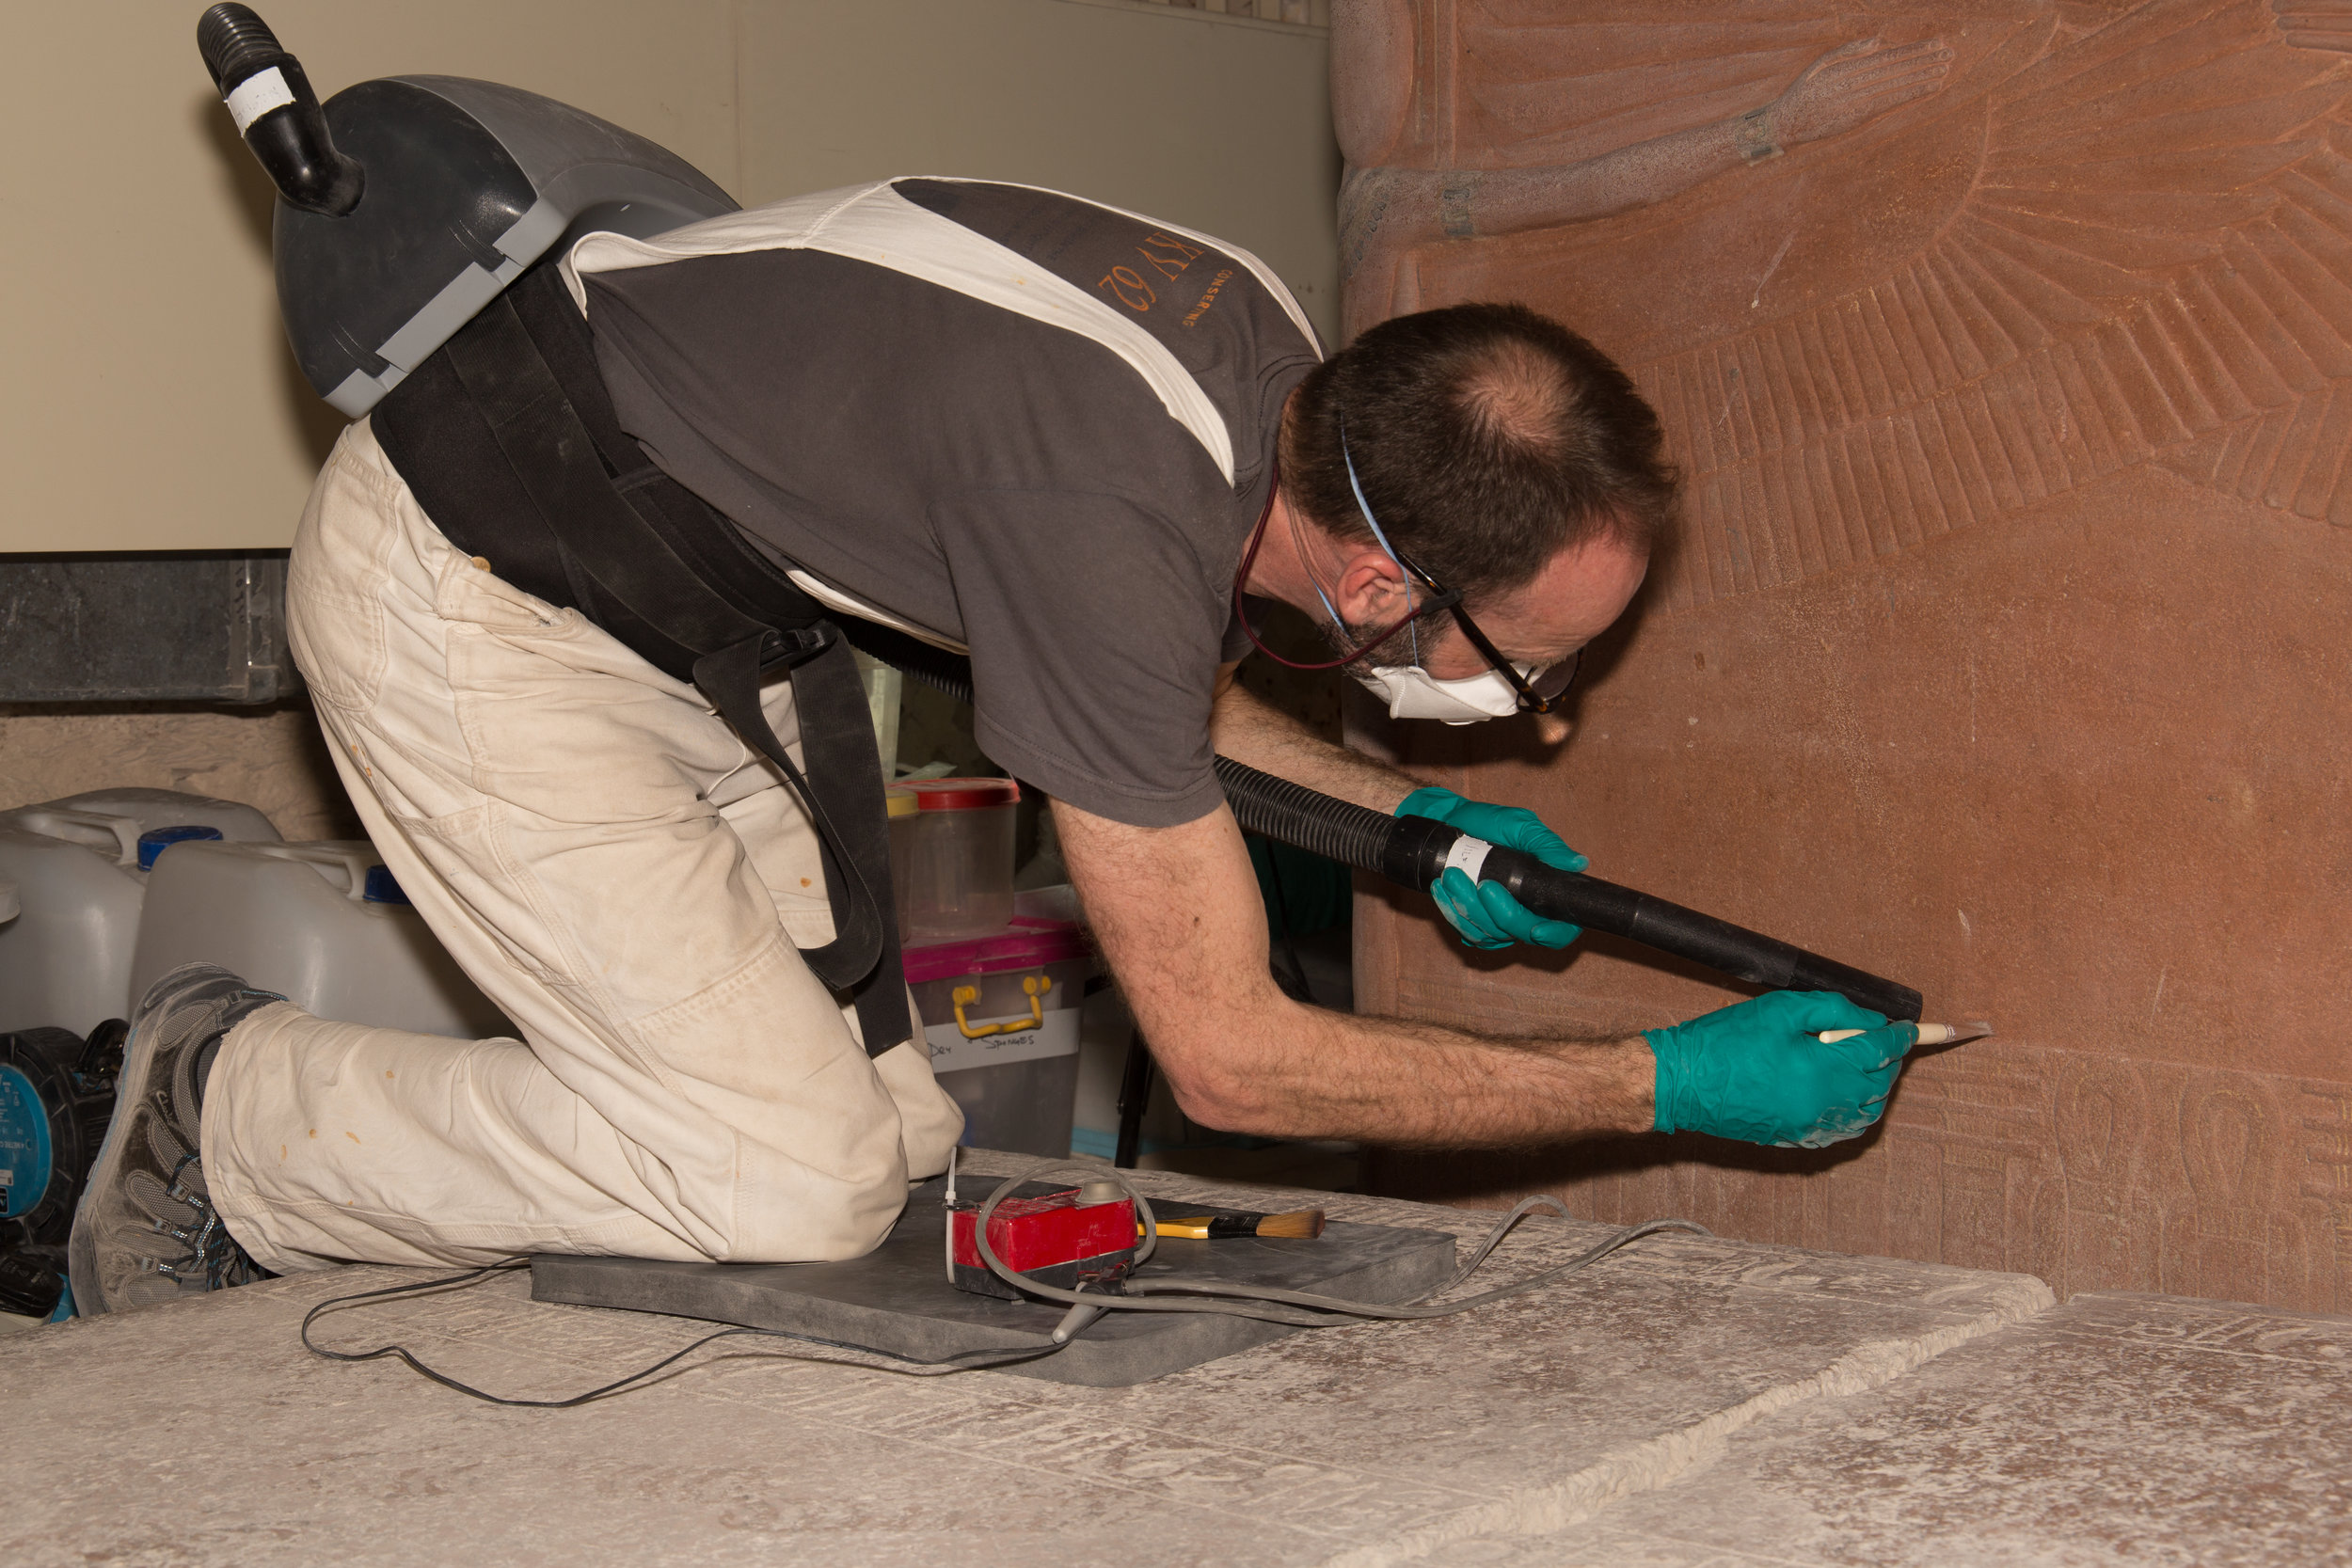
509,441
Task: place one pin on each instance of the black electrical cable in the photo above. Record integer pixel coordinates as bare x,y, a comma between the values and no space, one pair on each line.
962,1361
1298,1308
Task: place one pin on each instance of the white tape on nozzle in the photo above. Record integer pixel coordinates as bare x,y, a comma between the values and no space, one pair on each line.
256,95
1469,856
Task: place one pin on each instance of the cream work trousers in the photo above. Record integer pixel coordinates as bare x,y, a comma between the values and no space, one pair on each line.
620,874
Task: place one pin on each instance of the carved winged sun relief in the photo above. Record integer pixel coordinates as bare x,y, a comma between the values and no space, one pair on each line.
2117,234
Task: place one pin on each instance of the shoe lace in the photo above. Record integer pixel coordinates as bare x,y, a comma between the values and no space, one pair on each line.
214,1260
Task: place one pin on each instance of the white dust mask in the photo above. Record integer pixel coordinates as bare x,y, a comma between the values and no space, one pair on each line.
1412,692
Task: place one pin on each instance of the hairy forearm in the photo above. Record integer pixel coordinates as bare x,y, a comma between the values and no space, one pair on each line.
1249,730
1176,912
1313,1075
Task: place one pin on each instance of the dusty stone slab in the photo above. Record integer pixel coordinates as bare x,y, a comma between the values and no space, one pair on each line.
2118,1429
200,1434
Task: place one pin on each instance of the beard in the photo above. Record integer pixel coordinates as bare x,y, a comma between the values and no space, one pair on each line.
1399,648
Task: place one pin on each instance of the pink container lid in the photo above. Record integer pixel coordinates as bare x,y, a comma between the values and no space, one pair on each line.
1030,942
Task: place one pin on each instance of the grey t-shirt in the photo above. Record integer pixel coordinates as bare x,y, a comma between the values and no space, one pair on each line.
1005,483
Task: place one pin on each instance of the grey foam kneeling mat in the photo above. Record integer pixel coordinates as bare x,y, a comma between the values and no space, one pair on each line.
897,1298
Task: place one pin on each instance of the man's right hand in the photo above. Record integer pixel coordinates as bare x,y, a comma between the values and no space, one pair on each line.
1756,1071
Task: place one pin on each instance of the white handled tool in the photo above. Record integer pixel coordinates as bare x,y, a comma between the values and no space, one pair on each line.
1929,1033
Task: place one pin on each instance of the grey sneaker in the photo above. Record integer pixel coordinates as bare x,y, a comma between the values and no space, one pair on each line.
145,1230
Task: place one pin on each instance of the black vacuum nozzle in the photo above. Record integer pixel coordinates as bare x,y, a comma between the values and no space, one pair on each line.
1413,851
277,112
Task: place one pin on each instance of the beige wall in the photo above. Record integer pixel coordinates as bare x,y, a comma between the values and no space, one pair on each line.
270,758
149,400
1216,122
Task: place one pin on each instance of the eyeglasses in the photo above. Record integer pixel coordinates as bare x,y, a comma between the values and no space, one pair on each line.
1539,692
1440,598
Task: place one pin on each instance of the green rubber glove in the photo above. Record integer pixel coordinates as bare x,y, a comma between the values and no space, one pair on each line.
1485,912
1754,1072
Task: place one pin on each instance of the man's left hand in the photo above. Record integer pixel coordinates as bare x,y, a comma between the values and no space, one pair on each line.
1485,913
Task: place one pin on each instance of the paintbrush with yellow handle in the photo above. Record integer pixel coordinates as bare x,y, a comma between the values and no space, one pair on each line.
1301,1223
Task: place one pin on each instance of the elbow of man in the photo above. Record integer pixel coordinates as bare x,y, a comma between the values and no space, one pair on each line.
1220,1082
1219,1100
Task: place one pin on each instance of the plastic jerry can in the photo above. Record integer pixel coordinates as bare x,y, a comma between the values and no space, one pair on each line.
1000,1016
323,924
80,867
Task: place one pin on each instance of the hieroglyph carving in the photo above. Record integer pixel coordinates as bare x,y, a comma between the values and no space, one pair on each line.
2125,236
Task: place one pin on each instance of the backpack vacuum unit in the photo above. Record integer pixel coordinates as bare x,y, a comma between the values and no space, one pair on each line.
408,205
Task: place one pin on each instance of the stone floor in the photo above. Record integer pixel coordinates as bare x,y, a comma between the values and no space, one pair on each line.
1688,1401
2118,1428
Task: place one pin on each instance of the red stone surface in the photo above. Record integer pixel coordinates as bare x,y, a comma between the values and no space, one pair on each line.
2007,646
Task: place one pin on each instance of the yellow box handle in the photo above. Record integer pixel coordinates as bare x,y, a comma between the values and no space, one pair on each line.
1034,984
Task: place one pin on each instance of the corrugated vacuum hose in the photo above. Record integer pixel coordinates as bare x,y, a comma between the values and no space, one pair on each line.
1411,851
277,112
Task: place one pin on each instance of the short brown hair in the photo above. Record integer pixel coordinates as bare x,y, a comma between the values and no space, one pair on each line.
1487,437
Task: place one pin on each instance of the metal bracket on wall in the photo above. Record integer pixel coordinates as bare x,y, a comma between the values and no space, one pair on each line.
202,627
